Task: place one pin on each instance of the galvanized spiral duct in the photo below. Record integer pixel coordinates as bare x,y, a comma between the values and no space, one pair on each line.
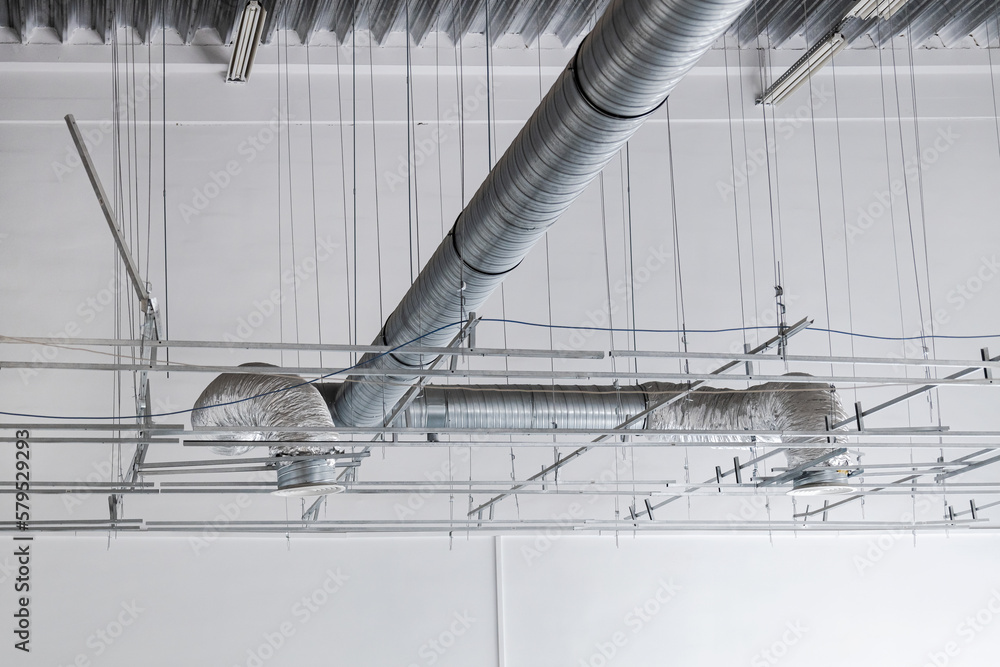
624,69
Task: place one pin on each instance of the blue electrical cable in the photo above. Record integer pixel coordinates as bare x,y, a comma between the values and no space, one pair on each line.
248,398
522,323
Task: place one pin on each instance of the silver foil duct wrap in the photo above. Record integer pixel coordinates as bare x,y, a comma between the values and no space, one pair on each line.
264,401
773,406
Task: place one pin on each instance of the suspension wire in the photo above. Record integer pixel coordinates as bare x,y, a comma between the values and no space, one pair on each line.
631,264
888,178
416,178
906,186
312,183
750,216
761,57
679,278
410,140
892,214
629,249
351,324
149,134
291,189
819,202
732,156
933,397
491,133
437,120
164,310
678,270
611,315
354,150
460,93
378,216
935,401
281,302
134,183
843,206
378,223
774,188
117,204
548,265
607,269
491,153
126,185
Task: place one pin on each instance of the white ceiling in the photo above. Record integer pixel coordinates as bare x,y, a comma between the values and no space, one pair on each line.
833,157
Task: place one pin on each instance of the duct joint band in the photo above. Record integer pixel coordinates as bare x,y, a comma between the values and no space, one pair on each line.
593,105
458,253
392,353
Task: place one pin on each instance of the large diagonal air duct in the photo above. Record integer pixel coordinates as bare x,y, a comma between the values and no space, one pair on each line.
623,70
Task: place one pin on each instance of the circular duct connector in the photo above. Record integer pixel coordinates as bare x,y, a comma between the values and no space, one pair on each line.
823,482
315,477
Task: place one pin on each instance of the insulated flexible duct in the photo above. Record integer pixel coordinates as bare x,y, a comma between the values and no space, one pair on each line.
623,70
265,401
773,406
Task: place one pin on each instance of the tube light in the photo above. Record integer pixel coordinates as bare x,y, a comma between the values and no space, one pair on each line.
245,44
797,75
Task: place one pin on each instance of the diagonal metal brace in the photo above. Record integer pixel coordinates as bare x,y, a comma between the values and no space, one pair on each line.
791,474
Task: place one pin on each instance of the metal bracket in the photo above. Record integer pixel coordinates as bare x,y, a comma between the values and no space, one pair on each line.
792,473
799,326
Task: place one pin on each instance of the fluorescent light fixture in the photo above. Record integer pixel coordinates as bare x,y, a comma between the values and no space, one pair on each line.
868,9
245,44
798,74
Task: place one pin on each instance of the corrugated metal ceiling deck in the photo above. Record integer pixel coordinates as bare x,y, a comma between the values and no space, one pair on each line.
933,23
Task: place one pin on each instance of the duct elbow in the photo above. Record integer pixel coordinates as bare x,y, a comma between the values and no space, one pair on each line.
274,404
773,406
